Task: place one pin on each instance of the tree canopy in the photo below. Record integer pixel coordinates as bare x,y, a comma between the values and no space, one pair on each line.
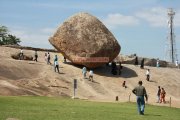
6,38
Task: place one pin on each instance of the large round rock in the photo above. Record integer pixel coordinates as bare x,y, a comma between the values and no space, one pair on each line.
84,36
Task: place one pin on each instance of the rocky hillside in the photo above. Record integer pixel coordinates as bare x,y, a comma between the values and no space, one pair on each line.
19,77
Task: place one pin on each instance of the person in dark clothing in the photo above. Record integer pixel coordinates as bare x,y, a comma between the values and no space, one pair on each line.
64,59
136,61
142,64
140,92
35,56
114,68
158,94
120,68
124,84
48,58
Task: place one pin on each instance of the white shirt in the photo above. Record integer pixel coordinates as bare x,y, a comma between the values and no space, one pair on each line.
177,63
91,72
147,72
56,63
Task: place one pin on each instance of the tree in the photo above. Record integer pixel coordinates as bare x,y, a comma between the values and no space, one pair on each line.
13,40
6,38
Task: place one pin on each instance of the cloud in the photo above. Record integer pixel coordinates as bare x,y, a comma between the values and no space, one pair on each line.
48,30
157,17
34,38
177,18
115,20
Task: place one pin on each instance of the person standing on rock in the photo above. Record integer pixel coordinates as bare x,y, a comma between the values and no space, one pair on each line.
84,71
21,55
142,64
124,84
158,94
91,75
140,93
48,58
120,68
136,61
35,56
45,57
56,64
157,63
148,75
177,64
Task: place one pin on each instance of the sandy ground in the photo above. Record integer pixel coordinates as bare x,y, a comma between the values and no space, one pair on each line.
19,77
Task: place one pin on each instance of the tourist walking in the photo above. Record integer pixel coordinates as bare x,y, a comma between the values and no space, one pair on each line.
157,62
163,94
35,56
84,71
142,64
120,68
124,84
136,61
148,75
158,94
140,93
91,75
48,58
177,64
56,64
21,55
65,59
45,57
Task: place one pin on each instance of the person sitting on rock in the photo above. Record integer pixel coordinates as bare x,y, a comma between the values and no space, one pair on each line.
91,75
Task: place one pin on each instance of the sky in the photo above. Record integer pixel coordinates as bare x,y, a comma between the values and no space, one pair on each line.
140,26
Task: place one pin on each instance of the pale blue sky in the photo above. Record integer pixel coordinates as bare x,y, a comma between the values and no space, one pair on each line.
140,26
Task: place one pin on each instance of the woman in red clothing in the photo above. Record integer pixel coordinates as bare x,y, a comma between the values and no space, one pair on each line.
163,93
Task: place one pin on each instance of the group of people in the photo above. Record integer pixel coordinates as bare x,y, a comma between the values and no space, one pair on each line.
84,72
141,93
161,95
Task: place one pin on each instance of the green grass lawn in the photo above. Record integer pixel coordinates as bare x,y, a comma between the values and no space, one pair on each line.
45,108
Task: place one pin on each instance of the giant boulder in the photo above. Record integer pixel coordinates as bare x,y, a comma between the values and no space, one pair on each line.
84,36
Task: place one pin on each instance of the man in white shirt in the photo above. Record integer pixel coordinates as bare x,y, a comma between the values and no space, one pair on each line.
148,75
91,75
177,64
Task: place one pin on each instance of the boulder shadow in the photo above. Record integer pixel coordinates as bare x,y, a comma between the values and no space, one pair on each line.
106,71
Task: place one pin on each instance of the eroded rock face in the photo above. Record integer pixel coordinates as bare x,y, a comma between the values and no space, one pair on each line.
25,57
83,35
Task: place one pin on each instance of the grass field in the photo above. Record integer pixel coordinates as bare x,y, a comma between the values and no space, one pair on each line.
45,108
